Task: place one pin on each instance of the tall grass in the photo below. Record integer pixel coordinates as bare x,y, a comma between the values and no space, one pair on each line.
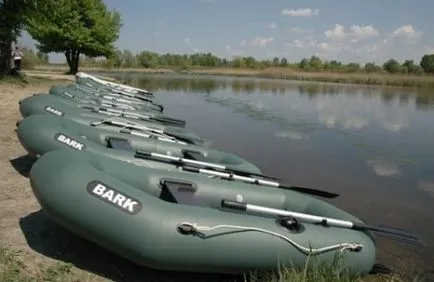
313,271
379,78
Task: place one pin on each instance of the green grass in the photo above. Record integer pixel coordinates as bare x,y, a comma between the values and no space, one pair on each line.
12,269
322,272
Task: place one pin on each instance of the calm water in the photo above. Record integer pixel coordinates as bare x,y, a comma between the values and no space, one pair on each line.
374,146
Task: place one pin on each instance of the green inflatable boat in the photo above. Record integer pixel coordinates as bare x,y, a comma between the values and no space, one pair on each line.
49,104
181,221
43,133
76,91
99,106
85,101
126,90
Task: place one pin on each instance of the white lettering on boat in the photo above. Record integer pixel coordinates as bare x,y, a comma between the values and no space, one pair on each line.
54,111
114,197
70,142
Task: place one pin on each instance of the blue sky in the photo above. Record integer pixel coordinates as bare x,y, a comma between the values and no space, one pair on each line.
347,30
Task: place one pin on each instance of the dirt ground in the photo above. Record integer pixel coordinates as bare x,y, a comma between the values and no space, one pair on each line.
45,249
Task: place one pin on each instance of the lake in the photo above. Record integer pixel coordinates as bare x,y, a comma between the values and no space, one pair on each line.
372,145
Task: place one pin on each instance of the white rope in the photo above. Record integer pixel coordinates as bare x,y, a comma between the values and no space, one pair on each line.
342,247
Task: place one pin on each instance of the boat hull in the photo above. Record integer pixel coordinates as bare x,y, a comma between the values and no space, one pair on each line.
145,227
57,106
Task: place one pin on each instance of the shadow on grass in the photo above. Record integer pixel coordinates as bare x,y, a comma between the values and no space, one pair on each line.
23,164
46,237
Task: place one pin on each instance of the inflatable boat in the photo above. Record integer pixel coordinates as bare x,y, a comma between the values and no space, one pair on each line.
95,82
50,104
76,91
100,106
43,133
178,221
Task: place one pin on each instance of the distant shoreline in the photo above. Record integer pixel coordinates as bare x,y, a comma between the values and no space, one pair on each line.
377,79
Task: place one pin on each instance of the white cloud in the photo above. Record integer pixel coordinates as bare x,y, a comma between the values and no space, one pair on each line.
355,123
228,48
294,135
301,30
429,49
306,12
383,167
258,41
335,33
363,32
308,43
367,48
407,31
356,32
272,25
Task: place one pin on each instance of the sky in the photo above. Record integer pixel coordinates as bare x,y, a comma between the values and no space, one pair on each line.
345,30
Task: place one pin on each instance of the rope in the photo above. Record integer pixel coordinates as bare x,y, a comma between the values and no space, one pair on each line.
194,228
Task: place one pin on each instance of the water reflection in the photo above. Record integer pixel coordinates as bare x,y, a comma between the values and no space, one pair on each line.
372,145
359,121
423,99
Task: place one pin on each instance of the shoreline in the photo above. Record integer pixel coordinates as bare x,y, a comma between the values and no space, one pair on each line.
36,237
373,79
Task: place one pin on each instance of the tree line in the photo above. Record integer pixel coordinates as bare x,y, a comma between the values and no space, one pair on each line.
148,59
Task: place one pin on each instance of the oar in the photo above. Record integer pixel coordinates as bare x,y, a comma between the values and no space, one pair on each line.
393,232
122,113
200,164
173,121
152,135
253,180
204,167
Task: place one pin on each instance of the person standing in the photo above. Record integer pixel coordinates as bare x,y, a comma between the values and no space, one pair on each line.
17,54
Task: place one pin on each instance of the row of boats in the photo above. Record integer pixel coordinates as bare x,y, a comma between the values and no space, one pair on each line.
113,168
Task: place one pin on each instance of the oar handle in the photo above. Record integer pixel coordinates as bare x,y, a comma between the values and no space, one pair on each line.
233,205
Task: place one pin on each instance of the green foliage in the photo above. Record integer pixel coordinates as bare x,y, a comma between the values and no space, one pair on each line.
410,67
392,66
12,19
427,63
148,59
312,272
74,27
315,63
372,67
31,59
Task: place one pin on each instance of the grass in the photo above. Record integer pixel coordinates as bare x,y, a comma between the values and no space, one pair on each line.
12,269
380,79
26,80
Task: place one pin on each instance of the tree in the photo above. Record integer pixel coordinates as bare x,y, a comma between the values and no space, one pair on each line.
75,27
410,67
392,66
304,64
372,67
315,63
12,19
129,60
427,63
